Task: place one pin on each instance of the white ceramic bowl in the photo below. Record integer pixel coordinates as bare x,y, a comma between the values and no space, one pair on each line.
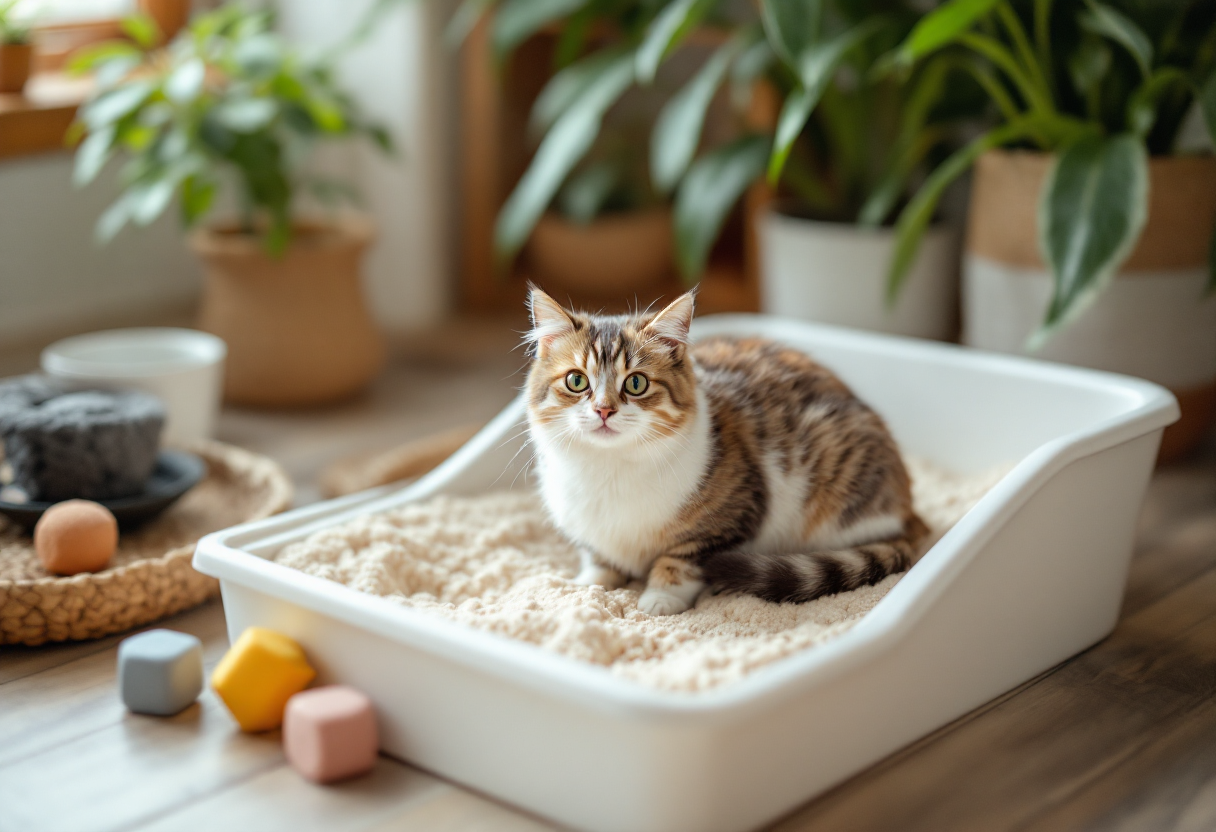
184,367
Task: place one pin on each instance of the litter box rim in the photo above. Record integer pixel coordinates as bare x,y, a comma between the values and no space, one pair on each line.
1148,407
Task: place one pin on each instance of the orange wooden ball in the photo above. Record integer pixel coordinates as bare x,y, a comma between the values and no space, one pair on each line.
76,536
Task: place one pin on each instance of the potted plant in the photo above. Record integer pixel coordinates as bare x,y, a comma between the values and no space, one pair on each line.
229,104
609,236
847,148
584,214
843,152
16,49
1090,234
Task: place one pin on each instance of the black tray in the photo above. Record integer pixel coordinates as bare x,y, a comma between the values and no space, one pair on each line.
176,472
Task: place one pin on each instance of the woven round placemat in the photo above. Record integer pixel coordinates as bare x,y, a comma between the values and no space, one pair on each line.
150,575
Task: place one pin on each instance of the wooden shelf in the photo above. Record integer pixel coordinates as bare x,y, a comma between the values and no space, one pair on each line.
37,121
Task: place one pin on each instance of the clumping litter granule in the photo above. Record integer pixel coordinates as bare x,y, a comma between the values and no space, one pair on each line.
494,562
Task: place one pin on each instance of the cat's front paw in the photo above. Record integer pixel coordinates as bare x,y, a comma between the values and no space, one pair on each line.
661,602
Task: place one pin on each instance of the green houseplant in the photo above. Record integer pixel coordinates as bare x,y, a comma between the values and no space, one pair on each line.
1090,233
586,212
846,147
16,49
228,105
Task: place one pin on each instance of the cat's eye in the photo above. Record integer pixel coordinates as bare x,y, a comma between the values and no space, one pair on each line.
636,384
576,382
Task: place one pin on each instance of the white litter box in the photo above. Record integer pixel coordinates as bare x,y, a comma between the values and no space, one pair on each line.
1033,574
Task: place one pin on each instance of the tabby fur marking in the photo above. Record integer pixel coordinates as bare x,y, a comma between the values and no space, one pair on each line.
734,463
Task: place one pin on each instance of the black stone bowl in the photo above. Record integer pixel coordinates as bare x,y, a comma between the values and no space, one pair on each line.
176,472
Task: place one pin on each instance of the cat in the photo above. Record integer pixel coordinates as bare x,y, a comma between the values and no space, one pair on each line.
737,464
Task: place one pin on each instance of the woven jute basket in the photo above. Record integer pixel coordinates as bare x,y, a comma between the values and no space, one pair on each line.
150,575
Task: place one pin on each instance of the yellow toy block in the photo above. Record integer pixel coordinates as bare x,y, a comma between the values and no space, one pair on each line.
258,675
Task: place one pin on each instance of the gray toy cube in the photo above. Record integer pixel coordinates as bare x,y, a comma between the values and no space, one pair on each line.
160,672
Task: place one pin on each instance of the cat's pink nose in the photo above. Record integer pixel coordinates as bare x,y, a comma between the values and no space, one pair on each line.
605,412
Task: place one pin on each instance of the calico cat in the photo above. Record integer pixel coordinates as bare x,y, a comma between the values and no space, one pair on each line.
737,464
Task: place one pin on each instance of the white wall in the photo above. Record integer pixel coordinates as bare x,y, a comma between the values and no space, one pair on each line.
403,76
53,277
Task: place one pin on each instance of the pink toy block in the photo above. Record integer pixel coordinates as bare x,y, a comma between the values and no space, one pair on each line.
329,733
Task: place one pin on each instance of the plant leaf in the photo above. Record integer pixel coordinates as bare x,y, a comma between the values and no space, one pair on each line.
92,155
185,82
816,66
1093,208
259,56
584,195
113,219
566,143
110,106
713,184
1111,23
918,213
142,29
914,141
569,85
677,131
247,115
573,39
1142,105
149,201
1207,104
792,26
517,20
198,194
666,32
1088,65
941,27
87,58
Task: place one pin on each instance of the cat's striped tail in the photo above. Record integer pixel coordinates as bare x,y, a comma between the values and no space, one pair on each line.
798,578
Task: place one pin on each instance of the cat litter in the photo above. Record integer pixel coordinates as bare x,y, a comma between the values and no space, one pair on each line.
495,563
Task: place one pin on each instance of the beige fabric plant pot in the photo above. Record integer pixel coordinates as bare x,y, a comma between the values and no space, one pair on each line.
15,62
612,257
297,327
1152,321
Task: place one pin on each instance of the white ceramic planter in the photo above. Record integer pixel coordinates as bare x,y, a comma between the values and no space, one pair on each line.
1153,324
836,273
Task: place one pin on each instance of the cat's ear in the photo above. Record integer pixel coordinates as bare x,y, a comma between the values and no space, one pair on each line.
549,320
671,325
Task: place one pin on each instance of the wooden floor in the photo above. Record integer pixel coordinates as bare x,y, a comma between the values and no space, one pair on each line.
1121,737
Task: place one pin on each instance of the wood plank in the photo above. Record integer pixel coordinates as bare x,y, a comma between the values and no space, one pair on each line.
1170,784
58,705
132,771
1176,538
460,811
1053,740
279,799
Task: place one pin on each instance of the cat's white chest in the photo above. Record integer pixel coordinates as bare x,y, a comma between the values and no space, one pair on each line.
619,506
